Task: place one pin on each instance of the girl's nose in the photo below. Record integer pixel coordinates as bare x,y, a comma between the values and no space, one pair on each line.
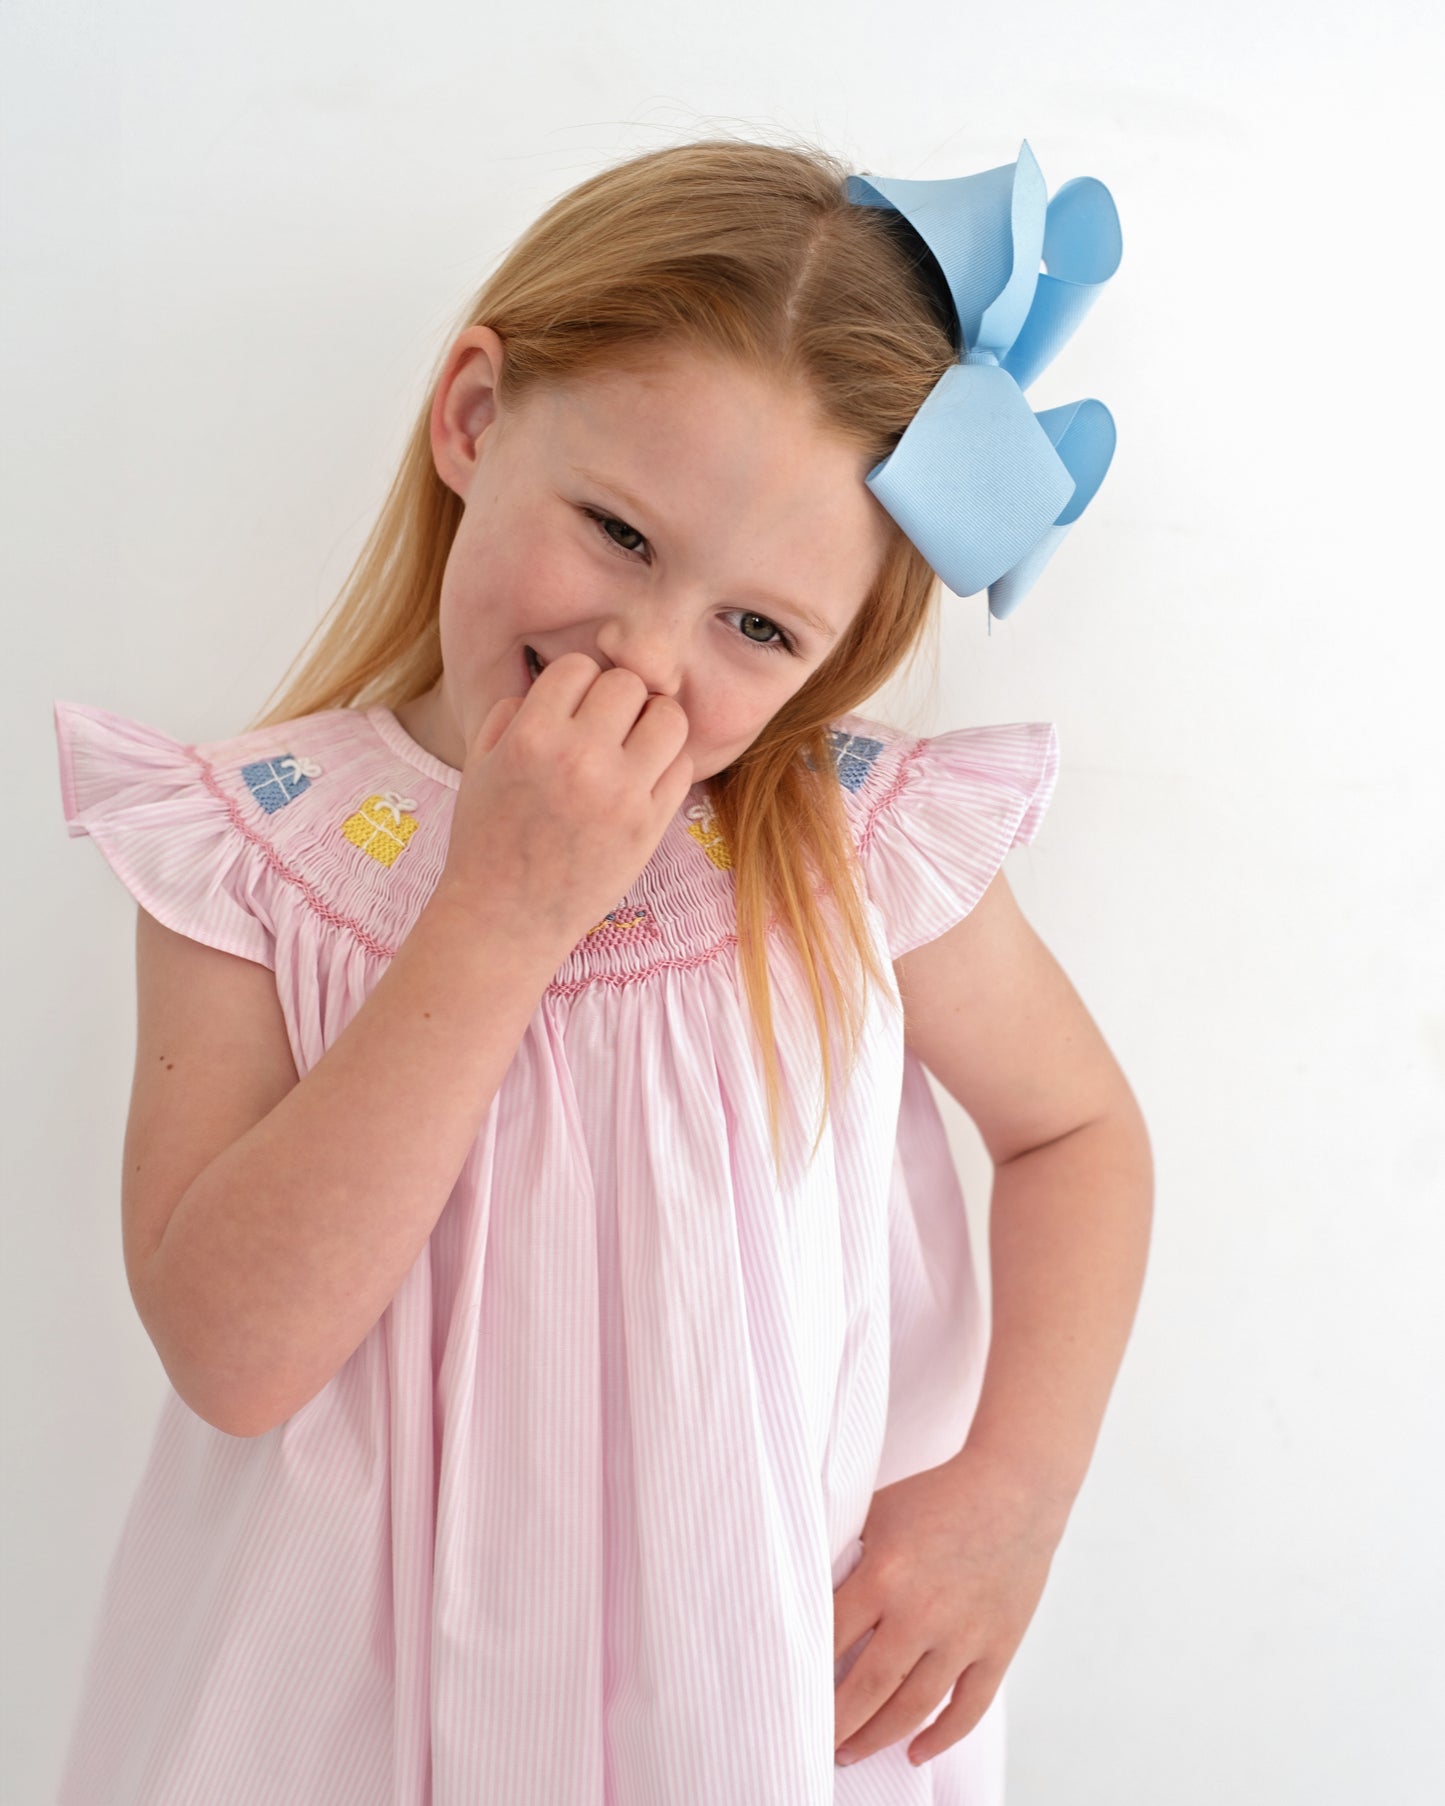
651,649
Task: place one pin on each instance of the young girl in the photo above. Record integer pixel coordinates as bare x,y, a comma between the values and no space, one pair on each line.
531,1186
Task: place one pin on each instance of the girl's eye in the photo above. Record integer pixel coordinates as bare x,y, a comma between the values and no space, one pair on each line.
604,521
783,643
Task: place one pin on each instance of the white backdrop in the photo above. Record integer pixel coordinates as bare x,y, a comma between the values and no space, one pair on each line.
233,240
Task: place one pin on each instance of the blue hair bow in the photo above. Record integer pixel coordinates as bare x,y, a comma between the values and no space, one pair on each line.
982,485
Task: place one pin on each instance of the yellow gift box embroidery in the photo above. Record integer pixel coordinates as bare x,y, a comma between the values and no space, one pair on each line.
705,831
381,827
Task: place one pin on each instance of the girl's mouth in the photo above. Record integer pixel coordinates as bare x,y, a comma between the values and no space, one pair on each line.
535,667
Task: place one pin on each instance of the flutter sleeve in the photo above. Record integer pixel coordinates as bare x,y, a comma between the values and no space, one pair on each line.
955,804
170,837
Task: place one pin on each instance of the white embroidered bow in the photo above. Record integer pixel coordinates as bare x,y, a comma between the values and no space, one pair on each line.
390,799
295,768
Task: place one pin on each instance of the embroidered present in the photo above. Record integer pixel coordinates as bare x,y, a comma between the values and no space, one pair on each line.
276,782
624,916
703,827
627,918
853,756
381,827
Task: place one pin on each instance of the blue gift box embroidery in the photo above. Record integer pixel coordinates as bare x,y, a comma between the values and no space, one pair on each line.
276,782
853,755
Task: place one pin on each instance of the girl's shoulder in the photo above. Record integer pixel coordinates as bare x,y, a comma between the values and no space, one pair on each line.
330,817
934,815
338,823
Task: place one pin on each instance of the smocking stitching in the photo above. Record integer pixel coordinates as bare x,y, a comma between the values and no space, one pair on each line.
556,987
682,962
900,778
282,870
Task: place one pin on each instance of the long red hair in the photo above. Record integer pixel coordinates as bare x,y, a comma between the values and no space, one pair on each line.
754,251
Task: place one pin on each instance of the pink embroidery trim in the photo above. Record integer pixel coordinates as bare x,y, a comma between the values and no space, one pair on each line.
900,779
558,987
282,870
677,962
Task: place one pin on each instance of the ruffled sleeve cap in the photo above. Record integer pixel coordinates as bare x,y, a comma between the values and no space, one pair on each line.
322,822
936,816
337,823
170,838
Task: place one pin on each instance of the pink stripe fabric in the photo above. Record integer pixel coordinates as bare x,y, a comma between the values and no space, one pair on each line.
565,1529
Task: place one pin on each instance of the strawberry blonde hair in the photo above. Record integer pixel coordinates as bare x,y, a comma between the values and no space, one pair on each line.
724,246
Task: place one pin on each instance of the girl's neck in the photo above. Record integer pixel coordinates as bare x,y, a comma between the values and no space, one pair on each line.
429,722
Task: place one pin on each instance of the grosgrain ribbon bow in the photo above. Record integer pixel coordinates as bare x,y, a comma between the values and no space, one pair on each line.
983,486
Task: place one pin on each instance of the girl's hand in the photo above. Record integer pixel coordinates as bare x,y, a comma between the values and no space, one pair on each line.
564,794
953,1565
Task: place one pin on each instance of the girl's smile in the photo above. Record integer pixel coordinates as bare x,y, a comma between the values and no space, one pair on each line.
682,518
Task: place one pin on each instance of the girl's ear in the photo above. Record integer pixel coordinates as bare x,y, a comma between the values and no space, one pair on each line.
464,404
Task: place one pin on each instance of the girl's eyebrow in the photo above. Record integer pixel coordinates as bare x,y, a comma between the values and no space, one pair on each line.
782,603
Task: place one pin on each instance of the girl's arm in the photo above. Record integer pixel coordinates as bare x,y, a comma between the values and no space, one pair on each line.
264,1238
1068,1241
991,1014
260,1272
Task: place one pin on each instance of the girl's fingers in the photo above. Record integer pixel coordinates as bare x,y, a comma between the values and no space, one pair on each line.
615,704
659,731
973,1694
907,1701
499,718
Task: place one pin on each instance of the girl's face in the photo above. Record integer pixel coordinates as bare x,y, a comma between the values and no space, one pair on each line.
684,520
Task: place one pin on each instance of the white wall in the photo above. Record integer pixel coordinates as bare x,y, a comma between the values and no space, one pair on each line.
233,238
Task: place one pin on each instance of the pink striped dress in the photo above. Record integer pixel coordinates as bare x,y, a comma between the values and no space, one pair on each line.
565,1528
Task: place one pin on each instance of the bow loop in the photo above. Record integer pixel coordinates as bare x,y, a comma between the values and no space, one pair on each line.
393,803
984,487
1082,248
